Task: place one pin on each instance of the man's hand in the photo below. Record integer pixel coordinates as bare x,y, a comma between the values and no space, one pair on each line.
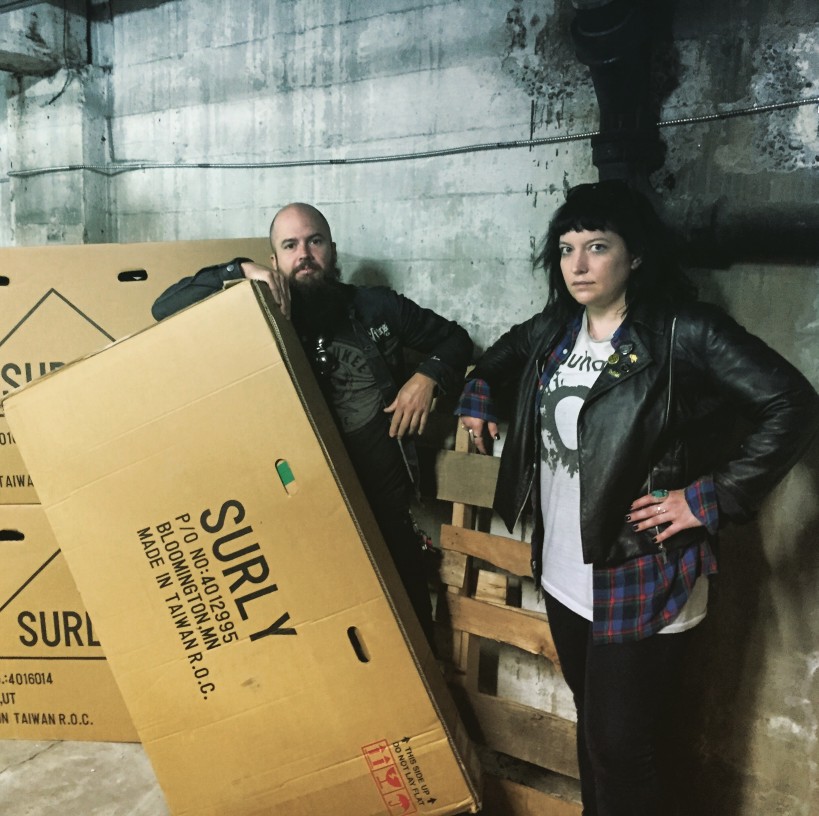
276,281
410,409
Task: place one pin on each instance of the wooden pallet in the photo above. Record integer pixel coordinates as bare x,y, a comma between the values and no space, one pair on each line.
502,797
477,605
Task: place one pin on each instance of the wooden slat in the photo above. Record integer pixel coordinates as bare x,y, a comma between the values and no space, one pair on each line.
464,649
526,630
466,478
492,587
452,569
463,515
523,732
505,798
504,553
462,646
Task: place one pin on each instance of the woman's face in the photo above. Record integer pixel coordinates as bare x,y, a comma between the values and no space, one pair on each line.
596,266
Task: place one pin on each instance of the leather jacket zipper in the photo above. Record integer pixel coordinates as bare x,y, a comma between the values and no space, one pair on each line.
527,494
541,365
666,420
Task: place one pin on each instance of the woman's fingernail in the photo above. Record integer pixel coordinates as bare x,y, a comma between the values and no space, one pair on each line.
497,436
628,518
634,527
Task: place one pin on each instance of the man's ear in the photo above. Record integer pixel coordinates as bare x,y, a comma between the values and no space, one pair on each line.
274,264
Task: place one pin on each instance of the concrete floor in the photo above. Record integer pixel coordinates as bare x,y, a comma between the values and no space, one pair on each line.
116,779
77,779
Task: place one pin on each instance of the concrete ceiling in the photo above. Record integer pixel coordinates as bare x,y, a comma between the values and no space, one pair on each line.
12,5
33,40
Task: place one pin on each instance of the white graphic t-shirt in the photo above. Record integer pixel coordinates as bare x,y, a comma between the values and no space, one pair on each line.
565,576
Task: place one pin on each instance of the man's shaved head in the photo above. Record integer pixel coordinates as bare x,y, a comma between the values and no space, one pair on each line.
307,209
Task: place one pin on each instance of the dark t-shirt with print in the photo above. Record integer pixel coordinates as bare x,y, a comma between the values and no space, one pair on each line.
356,402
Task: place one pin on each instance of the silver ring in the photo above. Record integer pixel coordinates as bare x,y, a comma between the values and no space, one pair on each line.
470,432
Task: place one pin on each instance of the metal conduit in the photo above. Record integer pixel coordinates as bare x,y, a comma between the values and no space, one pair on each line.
116,168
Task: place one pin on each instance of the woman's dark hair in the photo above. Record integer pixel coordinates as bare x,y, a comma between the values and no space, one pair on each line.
617,207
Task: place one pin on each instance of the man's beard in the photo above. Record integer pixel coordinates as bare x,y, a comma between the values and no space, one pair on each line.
319,278
320,301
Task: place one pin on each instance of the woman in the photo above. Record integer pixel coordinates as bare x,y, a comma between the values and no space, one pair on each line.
625,440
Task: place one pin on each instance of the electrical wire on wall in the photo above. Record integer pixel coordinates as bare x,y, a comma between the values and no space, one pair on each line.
116,168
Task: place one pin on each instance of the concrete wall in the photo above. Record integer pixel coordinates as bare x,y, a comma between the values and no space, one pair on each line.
300,81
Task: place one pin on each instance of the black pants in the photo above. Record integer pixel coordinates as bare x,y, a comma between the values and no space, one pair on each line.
380,466
399,534
623,692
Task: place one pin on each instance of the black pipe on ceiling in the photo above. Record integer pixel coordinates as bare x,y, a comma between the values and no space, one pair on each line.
613,38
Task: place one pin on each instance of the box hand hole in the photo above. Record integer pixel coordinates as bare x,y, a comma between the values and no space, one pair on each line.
285,472
11,535
132,275
358,645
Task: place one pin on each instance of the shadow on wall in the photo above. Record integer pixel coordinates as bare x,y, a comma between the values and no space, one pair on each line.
754,644
368,273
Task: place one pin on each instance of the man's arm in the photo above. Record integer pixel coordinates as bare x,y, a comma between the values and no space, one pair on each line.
196,287
449,348
212,279
448,345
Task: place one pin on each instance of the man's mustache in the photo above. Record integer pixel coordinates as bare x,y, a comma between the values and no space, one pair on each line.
308,265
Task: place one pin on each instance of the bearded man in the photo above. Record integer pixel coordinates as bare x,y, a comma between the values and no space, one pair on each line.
355,336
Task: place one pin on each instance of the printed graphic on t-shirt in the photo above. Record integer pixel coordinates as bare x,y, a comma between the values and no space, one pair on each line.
560,406
351,387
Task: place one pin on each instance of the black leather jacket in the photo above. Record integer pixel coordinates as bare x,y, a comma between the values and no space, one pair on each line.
730,407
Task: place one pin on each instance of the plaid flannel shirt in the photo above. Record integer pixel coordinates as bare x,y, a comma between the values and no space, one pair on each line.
639,597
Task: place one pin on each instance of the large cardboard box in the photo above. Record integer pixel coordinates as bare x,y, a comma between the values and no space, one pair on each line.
58,303
249,609
55,682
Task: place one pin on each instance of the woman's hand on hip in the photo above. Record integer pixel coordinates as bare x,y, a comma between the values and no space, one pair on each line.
662,507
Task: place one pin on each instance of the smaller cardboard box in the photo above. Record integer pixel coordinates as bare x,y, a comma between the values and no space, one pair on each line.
55,683
249,608
58,303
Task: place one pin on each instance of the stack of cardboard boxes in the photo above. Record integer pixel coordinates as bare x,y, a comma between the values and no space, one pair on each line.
59,303
259,635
